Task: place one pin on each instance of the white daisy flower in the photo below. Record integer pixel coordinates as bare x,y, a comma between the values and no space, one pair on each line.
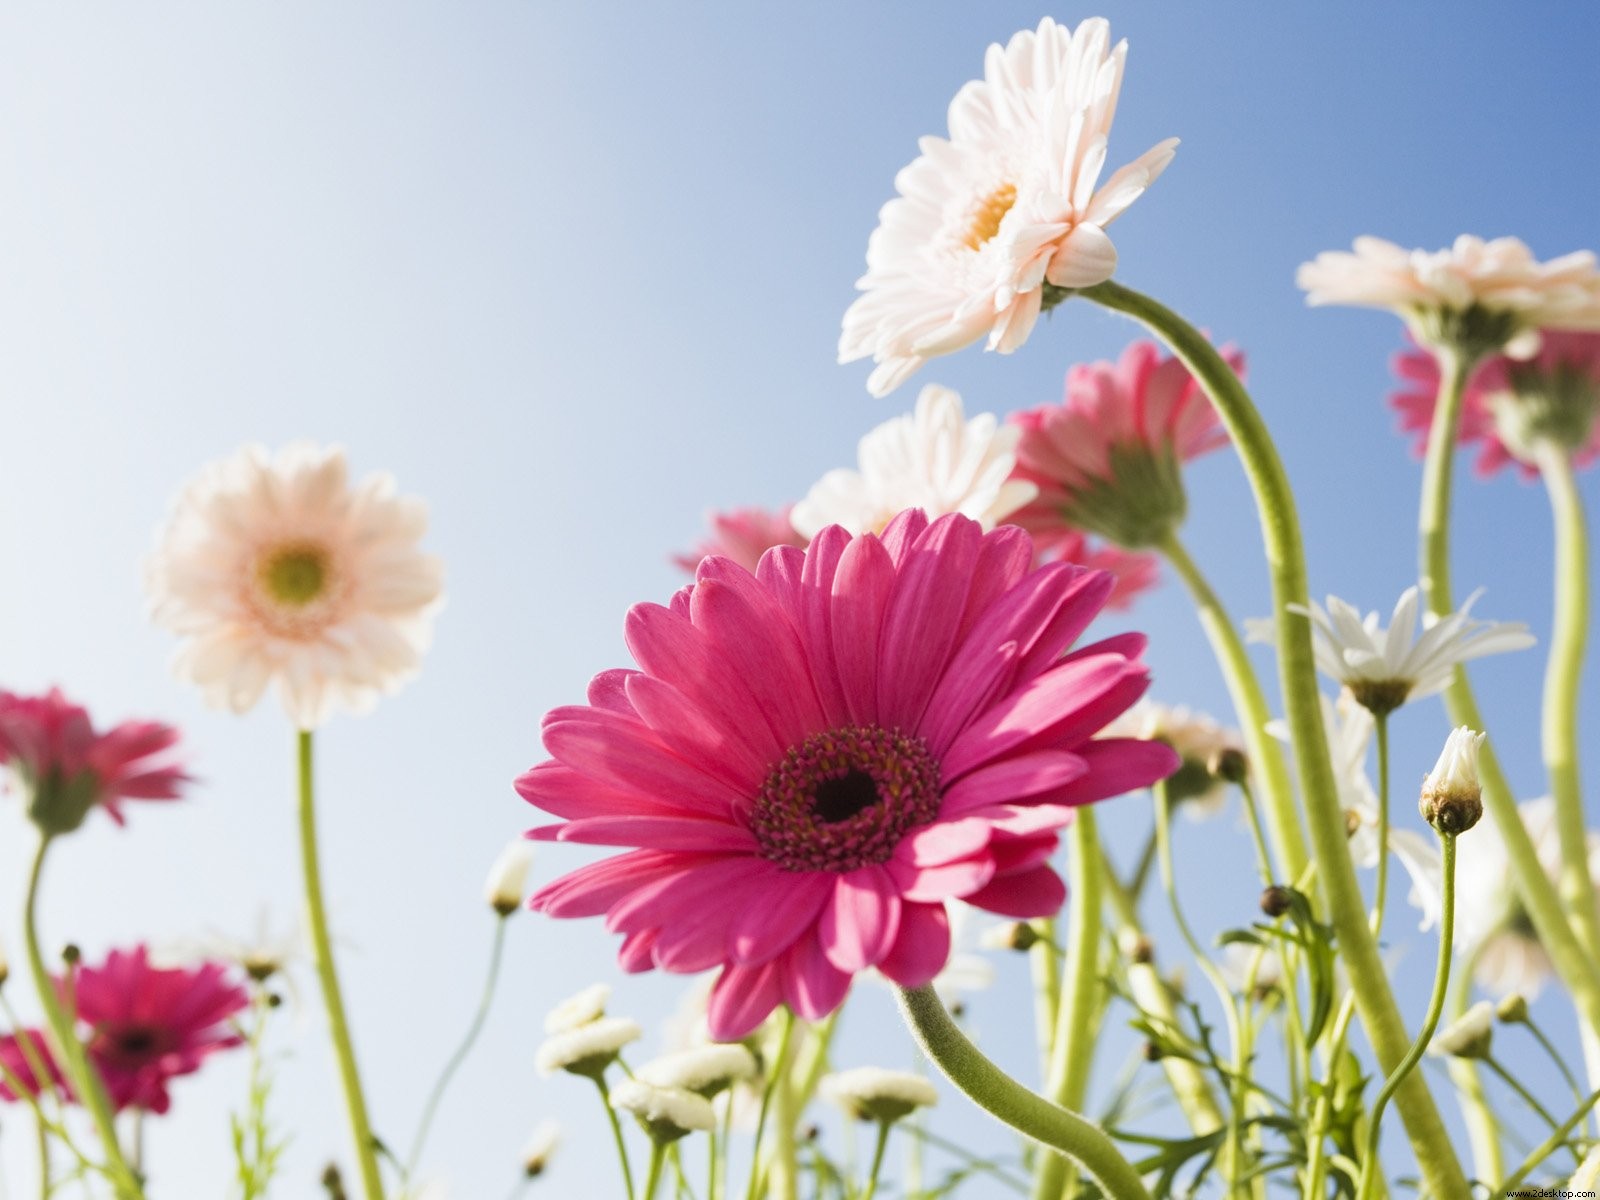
878,1094
1196,737
1007,204
507,884
667,1113
704,1070
1349,728
1384,668
585,1007
588,1049
933,459
1493,293
276,569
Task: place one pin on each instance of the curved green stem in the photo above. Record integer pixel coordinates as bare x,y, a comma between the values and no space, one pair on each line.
1576,964
333,1000
69,1051
1547,1147
877,1161
1072,1052
1527,1097
1009,1102
1555,1057
1563,676
1441,985
616,1134
1280,529
460,1055
1483,1131
1250,702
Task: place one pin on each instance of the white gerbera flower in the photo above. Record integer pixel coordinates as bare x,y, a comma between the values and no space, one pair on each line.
275,568
1489,292
933,459
1491,924
878,1094
1007,204
1384,668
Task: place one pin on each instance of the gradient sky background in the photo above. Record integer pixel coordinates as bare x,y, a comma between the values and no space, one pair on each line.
574,274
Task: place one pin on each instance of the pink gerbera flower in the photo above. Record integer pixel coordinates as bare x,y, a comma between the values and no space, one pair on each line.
811,760
65,768
744,535
1512,406
1133,572
20,1054
1109,457
149,1024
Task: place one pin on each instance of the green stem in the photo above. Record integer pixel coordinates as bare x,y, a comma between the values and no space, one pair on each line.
1008,1101
1441,986
1280,528
1250,702
1044,964
1483,1132
69,1051
1263,857
460,1055
969,1158
1527,1097
1563,676
43,1132
1547,1147
1555,1057
1380,891
658,1157
1075,1032
332,999
1576,964
877,1161
616,1134
775,1079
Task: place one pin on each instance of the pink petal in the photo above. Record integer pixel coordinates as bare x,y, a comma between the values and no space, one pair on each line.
942,842
637,951
860,590
1038,773
1118,766
763,930
1035,893
922,616
742,998
623,753
656,833
922,946
812,985
933,884
858,926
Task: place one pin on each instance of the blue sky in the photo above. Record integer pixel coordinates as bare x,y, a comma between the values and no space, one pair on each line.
574,274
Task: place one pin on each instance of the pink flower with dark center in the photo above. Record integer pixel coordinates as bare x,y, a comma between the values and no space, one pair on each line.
744,535
25,1056
148,1025
1133,571
65,767
1512,405
1109,458
811,760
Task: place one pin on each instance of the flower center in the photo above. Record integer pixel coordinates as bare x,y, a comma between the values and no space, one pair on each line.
295,575
131,1046
987,214
843,799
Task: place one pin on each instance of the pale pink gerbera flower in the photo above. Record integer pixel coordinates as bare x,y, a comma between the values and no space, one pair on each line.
1006,206
744,535
1109,458
1486,296
811,760
148,1025
1513,408
65,768
932,458
275,568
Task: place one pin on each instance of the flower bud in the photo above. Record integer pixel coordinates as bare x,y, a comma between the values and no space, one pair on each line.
71,954
1469,1035
589,1049
1016,935
1452,797
5,966
1152,1052
508,877
1513,1010
1230,765
876,1094
666,1113
1276,900
540,1148
1136,947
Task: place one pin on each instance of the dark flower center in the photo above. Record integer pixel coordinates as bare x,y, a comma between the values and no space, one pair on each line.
844,799
132,1046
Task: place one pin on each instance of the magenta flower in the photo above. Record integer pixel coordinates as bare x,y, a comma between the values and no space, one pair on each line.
18,1053
744,535
65,768
148,1025
811,760
1511,405
1108,458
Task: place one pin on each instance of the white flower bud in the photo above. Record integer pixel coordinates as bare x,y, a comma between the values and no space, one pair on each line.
507,883
704,1070
540,1147
667,1113
1452,797
589,1049
588,1005
876,1094
1469,1035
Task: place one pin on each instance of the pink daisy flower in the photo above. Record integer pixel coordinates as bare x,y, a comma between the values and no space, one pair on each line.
811,760
1511,405
18,1053
1133,572
1108,458
65,768
149,1024
744,535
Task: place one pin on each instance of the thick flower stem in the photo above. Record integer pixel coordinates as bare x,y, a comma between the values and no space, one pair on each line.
1072,1053
332,999
1250,702
69,1052
1436,1159
1568,641
1574,962
1008,1101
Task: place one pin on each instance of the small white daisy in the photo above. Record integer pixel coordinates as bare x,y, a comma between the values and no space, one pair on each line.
667,1113
588,1005
587,1049
704,1070
878,1094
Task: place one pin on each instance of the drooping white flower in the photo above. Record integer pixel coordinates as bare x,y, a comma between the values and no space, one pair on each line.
1469,1035
1196,737
540,1148
933,459
1494,294
587,1049
1008,203
1384,668
667,1113
580,1009
704,1070
273,568
507,884
878,1094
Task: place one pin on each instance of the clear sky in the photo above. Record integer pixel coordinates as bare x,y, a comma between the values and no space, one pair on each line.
574,273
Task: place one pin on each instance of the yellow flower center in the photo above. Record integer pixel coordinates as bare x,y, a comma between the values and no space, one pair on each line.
988,214
295,575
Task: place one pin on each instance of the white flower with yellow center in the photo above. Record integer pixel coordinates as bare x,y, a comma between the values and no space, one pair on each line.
933,459
276,569
1005,206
